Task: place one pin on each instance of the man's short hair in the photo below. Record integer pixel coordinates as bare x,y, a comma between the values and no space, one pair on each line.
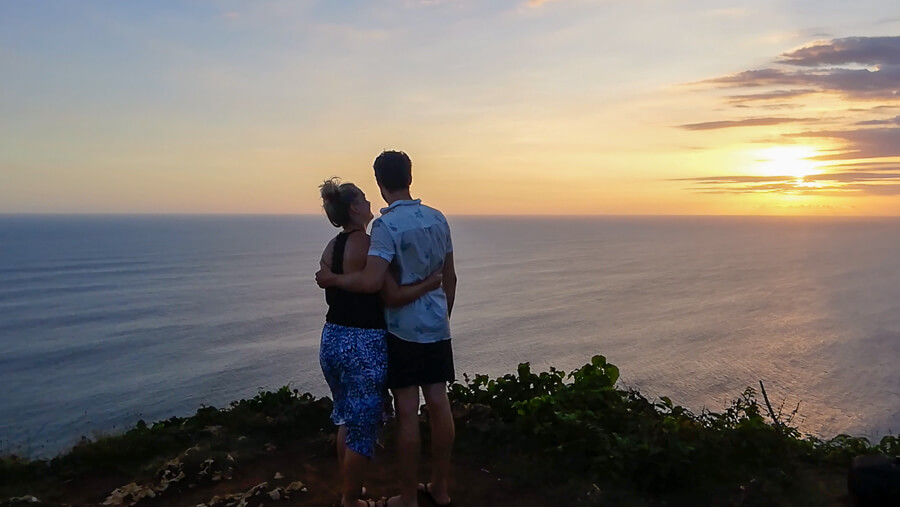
393,170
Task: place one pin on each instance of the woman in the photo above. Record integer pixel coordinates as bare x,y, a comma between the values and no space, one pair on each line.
353,353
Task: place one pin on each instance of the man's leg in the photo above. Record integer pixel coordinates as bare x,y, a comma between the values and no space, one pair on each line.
443,433
406,400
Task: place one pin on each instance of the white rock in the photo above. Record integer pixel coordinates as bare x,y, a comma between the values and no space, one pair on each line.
132,491
278,475
295,486
26,498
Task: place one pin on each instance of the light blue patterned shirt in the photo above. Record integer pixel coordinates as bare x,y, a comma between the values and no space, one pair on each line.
415,239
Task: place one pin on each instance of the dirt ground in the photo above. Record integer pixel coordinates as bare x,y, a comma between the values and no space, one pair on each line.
474,483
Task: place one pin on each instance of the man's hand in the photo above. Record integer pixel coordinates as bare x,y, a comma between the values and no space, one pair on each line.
324,277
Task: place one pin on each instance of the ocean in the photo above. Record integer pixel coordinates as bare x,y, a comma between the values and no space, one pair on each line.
105,320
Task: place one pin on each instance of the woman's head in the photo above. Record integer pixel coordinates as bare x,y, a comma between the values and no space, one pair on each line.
345,204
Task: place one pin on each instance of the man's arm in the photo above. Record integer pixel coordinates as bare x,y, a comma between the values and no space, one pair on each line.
449,282
367,281
394,295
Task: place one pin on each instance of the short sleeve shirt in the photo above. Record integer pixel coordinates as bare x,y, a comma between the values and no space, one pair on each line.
415,239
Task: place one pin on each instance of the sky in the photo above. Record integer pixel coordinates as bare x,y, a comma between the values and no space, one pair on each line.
510,107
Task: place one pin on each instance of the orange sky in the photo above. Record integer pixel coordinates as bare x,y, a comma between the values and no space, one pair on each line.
517,107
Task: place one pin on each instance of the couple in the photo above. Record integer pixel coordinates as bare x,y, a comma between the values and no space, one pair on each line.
389,302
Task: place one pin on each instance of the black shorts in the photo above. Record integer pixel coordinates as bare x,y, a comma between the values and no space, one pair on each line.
418,364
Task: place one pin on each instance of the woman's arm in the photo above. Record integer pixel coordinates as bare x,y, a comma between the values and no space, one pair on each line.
394,295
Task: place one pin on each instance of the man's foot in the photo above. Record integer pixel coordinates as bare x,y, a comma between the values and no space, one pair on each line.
366,502
439,500
397,501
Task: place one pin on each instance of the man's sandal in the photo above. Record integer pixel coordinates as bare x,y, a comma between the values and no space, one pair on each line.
423,488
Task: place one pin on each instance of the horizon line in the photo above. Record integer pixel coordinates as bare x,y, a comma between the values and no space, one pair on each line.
462,215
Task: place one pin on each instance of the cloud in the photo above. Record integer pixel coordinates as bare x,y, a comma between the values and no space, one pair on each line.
870,166
772,95
736,179
836,184
892,121
865,140
748,122
831,66
856,176
860,143
882,83
882,190
859,50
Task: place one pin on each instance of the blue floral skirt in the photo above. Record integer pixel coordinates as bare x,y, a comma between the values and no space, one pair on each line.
354,361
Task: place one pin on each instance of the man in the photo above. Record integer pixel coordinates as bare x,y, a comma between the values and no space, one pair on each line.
412,241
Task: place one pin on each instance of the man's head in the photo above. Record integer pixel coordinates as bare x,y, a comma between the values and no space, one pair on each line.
393,172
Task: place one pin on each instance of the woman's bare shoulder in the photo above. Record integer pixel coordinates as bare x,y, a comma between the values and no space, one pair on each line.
355,251
357,243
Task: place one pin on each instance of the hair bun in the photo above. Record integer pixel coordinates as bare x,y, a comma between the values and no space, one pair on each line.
330,190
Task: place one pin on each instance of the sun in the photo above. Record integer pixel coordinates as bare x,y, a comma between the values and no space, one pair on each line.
791,161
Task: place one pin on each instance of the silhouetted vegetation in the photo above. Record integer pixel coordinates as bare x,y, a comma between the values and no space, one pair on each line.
576,432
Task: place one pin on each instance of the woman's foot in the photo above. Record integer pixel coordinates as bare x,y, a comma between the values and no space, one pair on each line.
439,498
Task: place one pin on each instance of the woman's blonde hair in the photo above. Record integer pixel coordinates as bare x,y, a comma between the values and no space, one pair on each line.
336,199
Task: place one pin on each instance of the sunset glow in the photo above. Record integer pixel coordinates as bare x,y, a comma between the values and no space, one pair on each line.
510,107
793,161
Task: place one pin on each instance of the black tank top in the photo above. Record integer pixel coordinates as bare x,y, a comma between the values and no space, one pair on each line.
350,308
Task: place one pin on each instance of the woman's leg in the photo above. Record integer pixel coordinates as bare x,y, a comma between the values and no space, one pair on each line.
334,368
353,473
367,367
341,446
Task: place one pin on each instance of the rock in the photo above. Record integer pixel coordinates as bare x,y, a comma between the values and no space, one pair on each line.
257,490
278,476
275,494
191,450
295,486
129,494
204,467
270,447
22,499
170,469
